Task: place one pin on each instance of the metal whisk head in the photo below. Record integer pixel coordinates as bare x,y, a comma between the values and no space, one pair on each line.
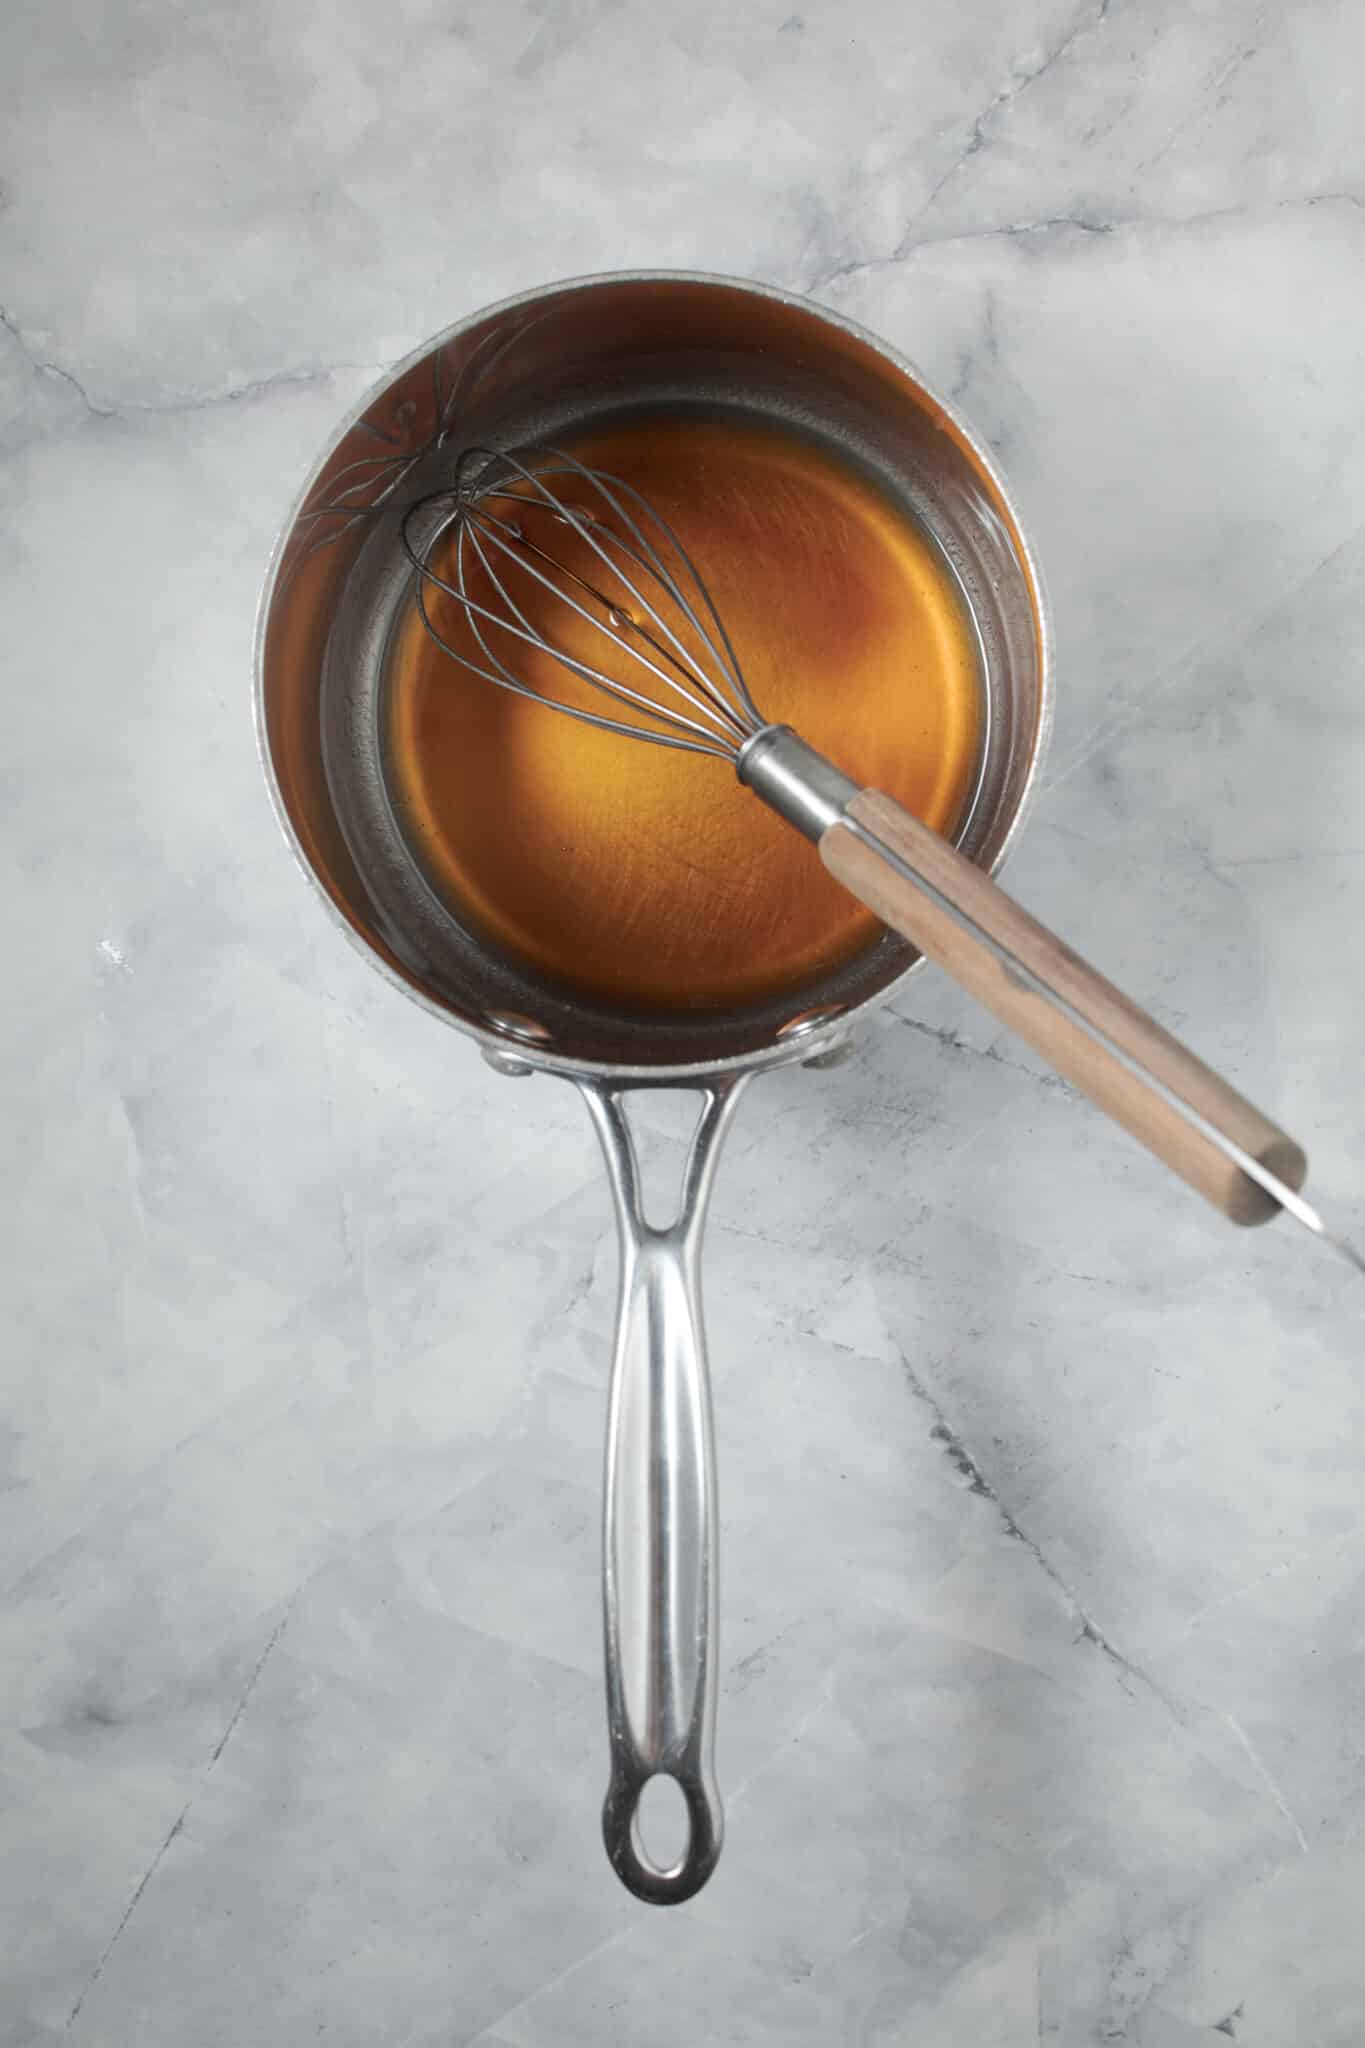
527,542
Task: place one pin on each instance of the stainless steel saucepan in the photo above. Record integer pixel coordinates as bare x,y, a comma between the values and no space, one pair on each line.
538,368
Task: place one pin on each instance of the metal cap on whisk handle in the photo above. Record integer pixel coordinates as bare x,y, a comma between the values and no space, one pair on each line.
660,654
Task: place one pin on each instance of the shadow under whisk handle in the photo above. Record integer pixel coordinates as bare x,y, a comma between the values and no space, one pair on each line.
1085,1028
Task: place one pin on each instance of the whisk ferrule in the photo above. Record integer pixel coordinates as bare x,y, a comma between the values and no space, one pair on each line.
794,780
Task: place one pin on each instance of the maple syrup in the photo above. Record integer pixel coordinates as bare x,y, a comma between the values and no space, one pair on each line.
648,878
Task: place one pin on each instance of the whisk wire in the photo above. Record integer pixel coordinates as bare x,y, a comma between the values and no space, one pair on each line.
590,529
649,602
505,679
499,673
686,668
473,530
480,525
602,481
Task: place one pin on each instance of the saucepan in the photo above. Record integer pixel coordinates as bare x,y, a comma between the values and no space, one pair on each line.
537,368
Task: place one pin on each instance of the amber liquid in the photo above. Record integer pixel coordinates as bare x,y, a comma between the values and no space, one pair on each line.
652,879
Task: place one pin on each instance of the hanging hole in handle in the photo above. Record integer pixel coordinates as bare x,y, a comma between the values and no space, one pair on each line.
662,1825
634,1864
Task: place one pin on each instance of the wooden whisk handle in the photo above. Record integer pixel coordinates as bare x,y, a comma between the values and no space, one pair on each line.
1085,1028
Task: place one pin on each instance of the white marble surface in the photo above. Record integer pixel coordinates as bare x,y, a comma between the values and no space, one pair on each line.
1043,1682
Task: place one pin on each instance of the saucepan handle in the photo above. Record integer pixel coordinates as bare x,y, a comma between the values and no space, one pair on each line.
659,1535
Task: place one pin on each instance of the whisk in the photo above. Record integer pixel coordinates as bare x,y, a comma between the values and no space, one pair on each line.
665,673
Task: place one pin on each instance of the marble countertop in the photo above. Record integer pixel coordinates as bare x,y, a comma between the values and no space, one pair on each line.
1043,1687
